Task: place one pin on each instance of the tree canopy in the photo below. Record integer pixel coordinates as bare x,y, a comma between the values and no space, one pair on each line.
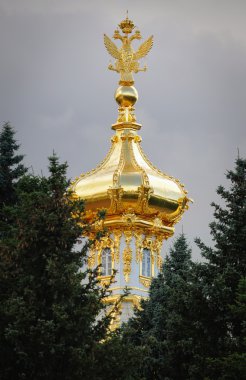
50,304
11,166
223,276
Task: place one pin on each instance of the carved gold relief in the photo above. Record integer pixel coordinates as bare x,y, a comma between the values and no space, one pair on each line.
145,281
137,139
115,195
139,239
117,236
114,139
157,223
129,218
98,225
147,243
104,280
91,258
127,256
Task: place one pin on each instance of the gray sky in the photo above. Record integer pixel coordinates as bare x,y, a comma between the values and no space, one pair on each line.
56,91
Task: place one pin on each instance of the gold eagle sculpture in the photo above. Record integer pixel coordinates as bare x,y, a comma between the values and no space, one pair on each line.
126,58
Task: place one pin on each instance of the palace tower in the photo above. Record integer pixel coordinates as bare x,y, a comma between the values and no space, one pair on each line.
142,203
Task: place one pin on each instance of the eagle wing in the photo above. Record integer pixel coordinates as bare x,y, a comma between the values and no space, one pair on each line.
144,48
111,47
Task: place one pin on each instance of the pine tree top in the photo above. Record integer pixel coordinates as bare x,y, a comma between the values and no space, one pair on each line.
11,168
229,226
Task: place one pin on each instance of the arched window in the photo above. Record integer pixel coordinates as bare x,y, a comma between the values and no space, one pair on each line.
106,269
146,263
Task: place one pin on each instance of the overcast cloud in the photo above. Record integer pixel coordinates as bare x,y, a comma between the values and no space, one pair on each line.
56,91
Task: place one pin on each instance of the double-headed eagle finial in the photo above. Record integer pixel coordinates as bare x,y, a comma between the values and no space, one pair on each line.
126,58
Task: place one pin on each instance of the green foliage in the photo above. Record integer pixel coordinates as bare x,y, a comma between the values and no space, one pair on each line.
118,359
233,364
222,276
11,168
52,318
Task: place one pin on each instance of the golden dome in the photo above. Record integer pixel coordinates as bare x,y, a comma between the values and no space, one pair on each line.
126,184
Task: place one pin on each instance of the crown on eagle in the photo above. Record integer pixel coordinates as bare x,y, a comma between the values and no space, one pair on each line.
127,26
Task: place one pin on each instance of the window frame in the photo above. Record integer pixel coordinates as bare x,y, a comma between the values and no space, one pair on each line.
146,262
108,263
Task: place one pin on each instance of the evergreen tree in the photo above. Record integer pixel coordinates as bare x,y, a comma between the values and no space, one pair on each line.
163,324
228,258
11,168
233,365
221,277
118,359
52,318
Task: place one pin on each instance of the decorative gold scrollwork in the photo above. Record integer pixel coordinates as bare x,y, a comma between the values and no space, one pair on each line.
114,139
129,218
91,258
139,240
115,195
127,255
145,281
147,243
157,223
137,139
104,280
117,236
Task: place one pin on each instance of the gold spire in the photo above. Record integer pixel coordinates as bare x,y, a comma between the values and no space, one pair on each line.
126,64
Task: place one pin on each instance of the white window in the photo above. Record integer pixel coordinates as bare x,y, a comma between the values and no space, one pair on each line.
146,263
106,269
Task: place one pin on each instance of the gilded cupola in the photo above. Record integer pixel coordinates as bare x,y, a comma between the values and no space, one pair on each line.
142,203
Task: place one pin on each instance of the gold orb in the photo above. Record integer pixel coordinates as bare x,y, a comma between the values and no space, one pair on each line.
126,96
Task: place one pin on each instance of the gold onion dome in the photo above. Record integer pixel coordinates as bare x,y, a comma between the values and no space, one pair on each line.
126,184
